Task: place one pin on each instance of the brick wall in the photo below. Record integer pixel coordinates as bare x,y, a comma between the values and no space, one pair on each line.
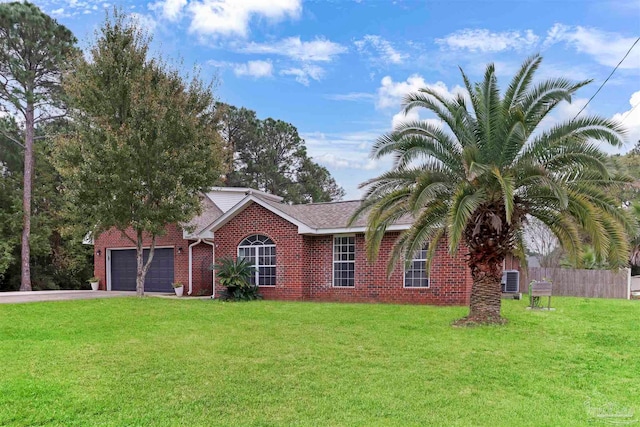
449,278
290,262
202,257
305,266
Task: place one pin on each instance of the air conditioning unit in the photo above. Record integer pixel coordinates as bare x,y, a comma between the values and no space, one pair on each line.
511,281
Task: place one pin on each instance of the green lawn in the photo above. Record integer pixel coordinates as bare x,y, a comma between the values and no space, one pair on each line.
143,362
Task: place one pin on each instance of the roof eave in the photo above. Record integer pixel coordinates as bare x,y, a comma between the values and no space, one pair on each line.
352,230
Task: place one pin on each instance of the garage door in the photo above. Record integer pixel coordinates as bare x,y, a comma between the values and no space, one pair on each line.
158,279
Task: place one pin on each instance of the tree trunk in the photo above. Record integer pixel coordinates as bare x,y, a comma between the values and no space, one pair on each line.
489,238
486,293
25,283
142,267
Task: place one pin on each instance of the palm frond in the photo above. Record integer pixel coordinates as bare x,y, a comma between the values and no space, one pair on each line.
464,203
507,185
428,228
546,96
490,161
521,81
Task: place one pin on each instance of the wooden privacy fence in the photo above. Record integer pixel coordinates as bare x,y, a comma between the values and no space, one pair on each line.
583,283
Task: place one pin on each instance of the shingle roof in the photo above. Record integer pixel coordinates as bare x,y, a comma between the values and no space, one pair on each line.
317,216
328,215
210,212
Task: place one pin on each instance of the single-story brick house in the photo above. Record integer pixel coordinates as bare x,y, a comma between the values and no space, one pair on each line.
301,252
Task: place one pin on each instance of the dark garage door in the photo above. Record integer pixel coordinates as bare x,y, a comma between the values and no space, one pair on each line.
158,279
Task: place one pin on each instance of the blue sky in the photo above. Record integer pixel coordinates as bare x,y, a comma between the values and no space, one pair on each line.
337,69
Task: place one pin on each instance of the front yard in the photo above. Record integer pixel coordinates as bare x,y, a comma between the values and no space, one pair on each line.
142,362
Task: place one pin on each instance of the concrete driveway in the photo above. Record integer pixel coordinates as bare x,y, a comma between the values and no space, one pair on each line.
37,296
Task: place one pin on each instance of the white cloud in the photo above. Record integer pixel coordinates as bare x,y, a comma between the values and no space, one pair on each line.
342,150
483,40
631,120
400,118
232,17
605,47
385,52
146,22
346,155
351,96
59,12
330,159
256,69
318,50
304,73
69,8
169,9
219,64
390,93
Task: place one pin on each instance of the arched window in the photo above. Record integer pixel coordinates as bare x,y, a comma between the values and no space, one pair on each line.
260,251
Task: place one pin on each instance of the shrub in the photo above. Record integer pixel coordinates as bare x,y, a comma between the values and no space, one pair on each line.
235,275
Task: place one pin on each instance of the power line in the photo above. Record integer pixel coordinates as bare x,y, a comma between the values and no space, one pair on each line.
626,116
607,79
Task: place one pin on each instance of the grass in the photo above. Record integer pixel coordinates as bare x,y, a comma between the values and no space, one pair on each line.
140,362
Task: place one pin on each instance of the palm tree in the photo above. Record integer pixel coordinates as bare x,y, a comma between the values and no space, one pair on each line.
473,181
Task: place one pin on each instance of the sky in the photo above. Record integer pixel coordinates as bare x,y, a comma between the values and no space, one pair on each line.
338,69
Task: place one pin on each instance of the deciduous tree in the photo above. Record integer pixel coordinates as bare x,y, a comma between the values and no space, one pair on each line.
145,143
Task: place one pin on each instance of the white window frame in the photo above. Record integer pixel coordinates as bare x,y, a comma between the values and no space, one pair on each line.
256,258
334,262
427,271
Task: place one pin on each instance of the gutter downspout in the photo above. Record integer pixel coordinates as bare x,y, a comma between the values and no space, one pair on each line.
191,265
213,270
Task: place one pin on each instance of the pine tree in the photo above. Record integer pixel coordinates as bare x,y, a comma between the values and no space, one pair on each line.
34,51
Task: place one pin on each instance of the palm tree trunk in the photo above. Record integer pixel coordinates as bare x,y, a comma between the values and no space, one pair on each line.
25,283
486,293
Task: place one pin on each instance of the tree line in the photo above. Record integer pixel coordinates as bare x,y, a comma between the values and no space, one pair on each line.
121,140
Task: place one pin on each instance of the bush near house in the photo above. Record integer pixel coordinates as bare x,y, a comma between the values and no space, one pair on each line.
235,275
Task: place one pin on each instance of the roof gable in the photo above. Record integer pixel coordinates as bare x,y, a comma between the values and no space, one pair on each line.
311,219
248,200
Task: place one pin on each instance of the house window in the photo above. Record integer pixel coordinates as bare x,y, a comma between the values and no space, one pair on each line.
260,251
344,261
417,276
